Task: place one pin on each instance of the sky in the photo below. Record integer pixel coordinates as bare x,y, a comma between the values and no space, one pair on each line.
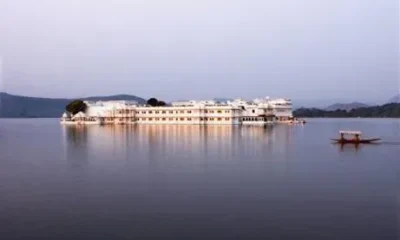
317,50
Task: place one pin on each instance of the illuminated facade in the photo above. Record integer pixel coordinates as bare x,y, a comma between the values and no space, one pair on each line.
237,112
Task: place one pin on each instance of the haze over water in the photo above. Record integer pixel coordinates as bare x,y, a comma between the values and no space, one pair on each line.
194,182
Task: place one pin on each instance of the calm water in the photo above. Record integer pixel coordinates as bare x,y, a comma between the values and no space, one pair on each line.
192,182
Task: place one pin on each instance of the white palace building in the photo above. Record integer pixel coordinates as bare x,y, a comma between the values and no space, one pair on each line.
238,112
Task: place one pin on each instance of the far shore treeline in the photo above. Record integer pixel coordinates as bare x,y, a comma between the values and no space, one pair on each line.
13,106
390,110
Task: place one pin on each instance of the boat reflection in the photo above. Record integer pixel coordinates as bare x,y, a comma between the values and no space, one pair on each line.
349,147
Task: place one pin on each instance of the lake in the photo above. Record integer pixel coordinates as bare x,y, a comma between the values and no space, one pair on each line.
194,182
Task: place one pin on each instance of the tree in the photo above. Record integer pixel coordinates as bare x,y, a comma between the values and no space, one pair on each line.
161,103
76,106
387,110
155,103
152,102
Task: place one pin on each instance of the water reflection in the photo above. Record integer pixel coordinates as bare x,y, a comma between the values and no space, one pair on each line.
76,145
356,148
349,147
158,142
280,182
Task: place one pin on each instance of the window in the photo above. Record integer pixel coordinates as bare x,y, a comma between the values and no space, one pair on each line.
171,119
157,119
182,119
157,112
189,119
163,112
227,111
150,111
253,111
182,111
219,111
171,111
201,119
219,119
227,119
205,111
189,111
150,119
144,112
211,111
164,119
177,119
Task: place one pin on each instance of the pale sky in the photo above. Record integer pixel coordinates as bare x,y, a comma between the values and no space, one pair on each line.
182,49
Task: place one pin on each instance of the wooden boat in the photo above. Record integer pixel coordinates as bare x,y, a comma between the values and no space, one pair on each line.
296,121
356,138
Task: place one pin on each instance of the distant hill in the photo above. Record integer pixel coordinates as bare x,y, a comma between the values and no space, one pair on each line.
390,110
13,106
121,97
395,99
222,99
345,106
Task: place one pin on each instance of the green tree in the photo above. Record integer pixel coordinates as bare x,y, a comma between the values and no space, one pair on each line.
76,106
387,110
161,103
152,102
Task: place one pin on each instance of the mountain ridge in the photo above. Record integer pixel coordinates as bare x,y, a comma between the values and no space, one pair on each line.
346,106
395,99
388,110
15,106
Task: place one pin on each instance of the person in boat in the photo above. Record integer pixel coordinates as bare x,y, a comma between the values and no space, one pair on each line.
356,138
